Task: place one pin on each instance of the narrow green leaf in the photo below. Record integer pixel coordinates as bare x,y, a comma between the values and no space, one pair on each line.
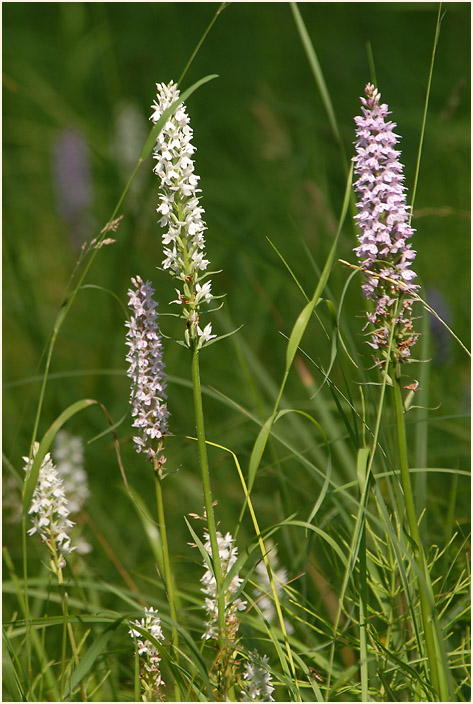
285,411
221,337
328,538
105,290
95,650
362,466
297,332
257,452
108,430
238,564
205,555
11,682
316,70
294,277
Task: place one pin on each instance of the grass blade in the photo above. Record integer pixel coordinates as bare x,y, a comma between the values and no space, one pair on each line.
45,444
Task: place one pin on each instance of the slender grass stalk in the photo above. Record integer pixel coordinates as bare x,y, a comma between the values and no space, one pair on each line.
426,106
205,474
26,604
168,576
65,610
439,683
222,7
319,79
363,617
362,463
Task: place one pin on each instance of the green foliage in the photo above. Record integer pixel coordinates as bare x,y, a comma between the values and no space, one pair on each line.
300,431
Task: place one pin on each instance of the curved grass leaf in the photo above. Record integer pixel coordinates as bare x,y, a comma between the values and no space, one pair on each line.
257,451
328,538
89,658
11,681
45,444
221,337
206,557
298,331
318,75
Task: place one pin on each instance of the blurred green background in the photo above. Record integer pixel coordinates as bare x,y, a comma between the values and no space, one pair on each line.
79,79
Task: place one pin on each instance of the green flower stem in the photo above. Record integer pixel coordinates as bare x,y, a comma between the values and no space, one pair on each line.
439,684
168,577
204,466
364,673
65,613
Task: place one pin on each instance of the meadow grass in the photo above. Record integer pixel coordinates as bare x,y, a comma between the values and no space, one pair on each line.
322,500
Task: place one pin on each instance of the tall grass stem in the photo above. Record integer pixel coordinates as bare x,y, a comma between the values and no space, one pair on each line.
319,79
222,7
426,106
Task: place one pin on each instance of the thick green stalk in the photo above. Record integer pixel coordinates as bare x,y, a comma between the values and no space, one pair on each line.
439,684
168,577
204,466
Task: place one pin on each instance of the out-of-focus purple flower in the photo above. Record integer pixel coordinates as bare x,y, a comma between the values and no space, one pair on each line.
72,182
384,226
128,135
440,335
